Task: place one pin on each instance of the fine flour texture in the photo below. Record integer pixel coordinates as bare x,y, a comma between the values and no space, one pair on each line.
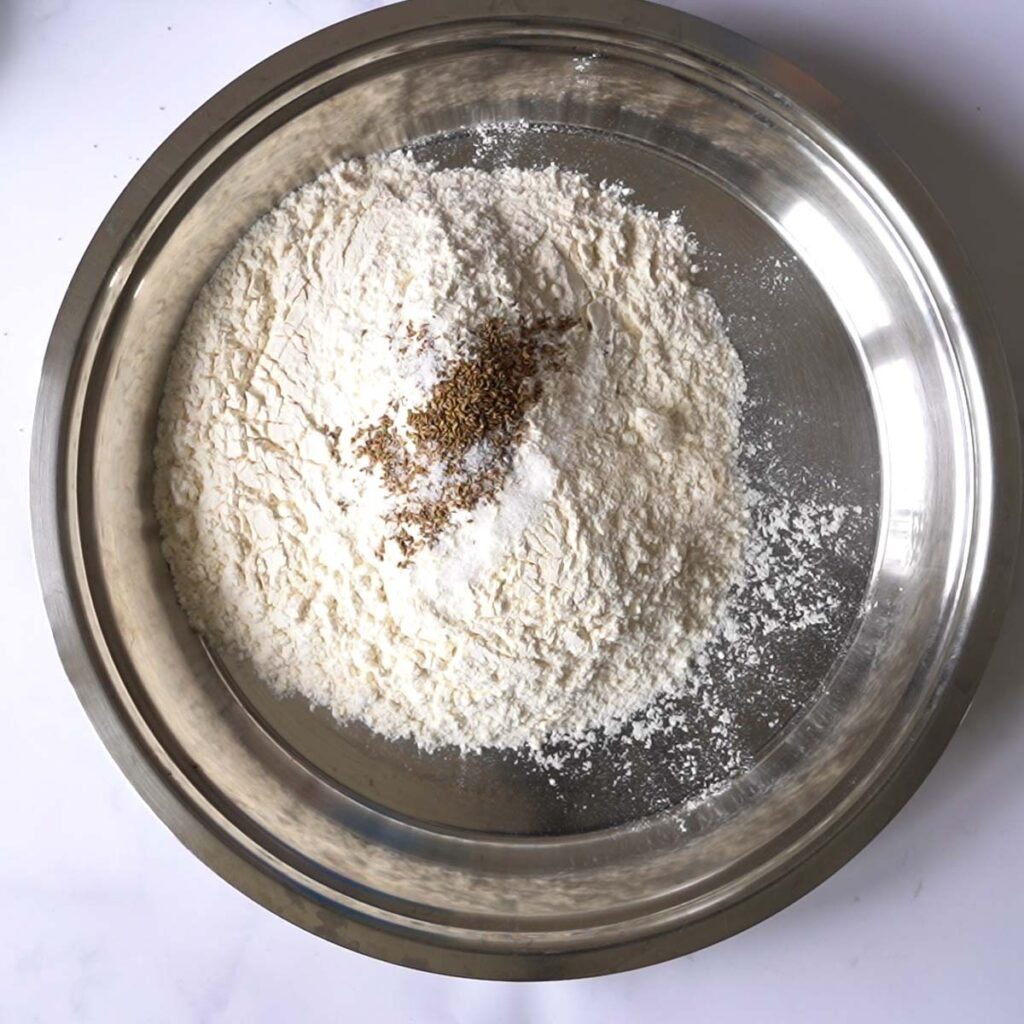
342,507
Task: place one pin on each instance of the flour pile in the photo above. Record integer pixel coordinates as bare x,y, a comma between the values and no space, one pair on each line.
504,582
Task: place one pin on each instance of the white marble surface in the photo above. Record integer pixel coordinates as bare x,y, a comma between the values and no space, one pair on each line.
105,918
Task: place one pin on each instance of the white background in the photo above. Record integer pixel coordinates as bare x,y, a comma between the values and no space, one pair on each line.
104,917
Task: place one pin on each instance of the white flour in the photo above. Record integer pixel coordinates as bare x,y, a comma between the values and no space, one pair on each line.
569,602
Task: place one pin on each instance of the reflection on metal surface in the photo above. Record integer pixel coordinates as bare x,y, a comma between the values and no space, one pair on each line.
905,453
874,369
838,265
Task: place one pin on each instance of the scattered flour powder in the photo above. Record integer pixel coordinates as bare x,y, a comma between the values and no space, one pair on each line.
570,598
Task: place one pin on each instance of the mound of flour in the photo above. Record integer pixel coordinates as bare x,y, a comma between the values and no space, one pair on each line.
568,601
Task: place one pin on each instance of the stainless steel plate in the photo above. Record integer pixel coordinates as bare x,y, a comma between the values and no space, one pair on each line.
873,372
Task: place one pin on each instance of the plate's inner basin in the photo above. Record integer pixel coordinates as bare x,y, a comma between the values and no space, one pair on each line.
809,448
854,400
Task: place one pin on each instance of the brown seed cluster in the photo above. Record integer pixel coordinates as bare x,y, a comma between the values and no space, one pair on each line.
487,394
381,444
480,405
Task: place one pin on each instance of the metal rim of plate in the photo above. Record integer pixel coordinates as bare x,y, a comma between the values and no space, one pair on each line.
201,825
